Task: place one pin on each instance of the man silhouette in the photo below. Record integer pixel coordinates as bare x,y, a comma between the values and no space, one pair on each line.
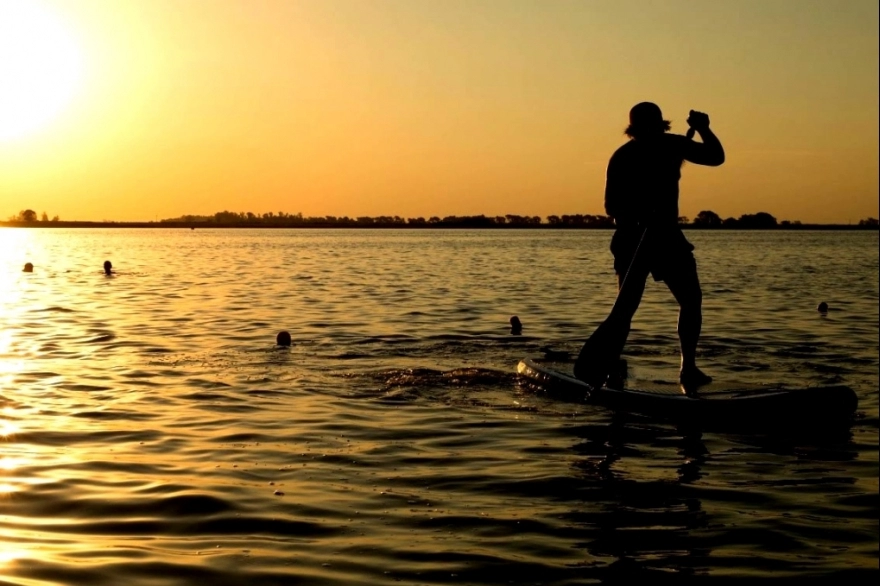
641,194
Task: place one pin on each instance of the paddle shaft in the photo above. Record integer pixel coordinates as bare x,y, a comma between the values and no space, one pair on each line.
602,349
632,262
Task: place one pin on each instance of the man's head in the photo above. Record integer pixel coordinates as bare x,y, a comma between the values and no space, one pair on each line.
646,119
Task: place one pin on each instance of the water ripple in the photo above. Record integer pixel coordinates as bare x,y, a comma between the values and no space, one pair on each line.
151,433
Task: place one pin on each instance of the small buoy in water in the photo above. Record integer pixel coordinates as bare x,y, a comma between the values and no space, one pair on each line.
28,268
515,326
283,338
823,307
108,267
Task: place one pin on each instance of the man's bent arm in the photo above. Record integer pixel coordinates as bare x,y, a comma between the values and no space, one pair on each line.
709,152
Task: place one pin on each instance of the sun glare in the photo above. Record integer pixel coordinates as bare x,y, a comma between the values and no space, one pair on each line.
40,67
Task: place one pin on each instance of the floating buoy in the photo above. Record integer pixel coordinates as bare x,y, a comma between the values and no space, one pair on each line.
28,268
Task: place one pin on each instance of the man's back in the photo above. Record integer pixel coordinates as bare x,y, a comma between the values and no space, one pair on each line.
642,180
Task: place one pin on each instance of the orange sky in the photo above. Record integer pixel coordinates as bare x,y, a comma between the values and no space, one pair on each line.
446,107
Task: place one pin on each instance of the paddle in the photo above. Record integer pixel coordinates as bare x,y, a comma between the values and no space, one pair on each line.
602,350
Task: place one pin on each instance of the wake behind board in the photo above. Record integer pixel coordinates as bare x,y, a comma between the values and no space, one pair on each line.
741,406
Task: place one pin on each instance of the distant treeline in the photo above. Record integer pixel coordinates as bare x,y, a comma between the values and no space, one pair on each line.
704,220
296,220
30,217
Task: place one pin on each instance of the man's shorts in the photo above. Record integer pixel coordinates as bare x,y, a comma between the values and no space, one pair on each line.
665,252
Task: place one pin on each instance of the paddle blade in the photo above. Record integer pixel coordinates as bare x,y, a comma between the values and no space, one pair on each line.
601,352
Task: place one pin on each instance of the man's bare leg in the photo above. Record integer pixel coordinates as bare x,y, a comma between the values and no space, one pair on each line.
686,289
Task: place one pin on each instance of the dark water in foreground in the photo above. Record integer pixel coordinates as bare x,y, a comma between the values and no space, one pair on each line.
151,435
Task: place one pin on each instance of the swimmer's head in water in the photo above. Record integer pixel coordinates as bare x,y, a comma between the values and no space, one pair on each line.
646,119
107,266
515,325
283,338
28,267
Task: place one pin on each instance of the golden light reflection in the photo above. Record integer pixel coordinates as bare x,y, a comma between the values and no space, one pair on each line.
8,550
10,463
15,245
7,554
18,478
8,370
5,341
8,428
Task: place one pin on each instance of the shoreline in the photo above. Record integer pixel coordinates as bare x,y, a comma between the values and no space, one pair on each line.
326,225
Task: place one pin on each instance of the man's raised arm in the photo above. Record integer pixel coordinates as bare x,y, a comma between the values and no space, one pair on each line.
709,152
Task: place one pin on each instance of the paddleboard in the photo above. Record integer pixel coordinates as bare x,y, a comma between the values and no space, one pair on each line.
715,403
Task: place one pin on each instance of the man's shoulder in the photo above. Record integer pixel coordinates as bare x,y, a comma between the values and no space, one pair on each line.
624,150
665,138
627,146
635,149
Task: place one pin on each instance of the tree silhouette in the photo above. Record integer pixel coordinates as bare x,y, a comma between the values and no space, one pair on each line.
28,216
708,219
760,221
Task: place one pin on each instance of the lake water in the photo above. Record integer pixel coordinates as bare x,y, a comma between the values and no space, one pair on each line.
151,434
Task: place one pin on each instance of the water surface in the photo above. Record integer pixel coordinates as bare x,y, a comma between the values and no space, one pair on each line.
151,433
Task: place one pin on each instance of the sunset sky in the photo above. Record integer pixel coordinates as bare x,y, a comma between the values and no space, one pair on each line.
146,109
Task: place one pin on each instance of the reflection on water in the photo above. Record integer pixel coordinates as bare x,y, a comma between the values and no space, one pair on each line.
7,429
152,433
649,520
646,512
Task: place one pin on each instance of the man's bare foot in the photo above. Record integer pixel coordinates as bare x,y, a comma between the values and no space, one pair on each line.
693,378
